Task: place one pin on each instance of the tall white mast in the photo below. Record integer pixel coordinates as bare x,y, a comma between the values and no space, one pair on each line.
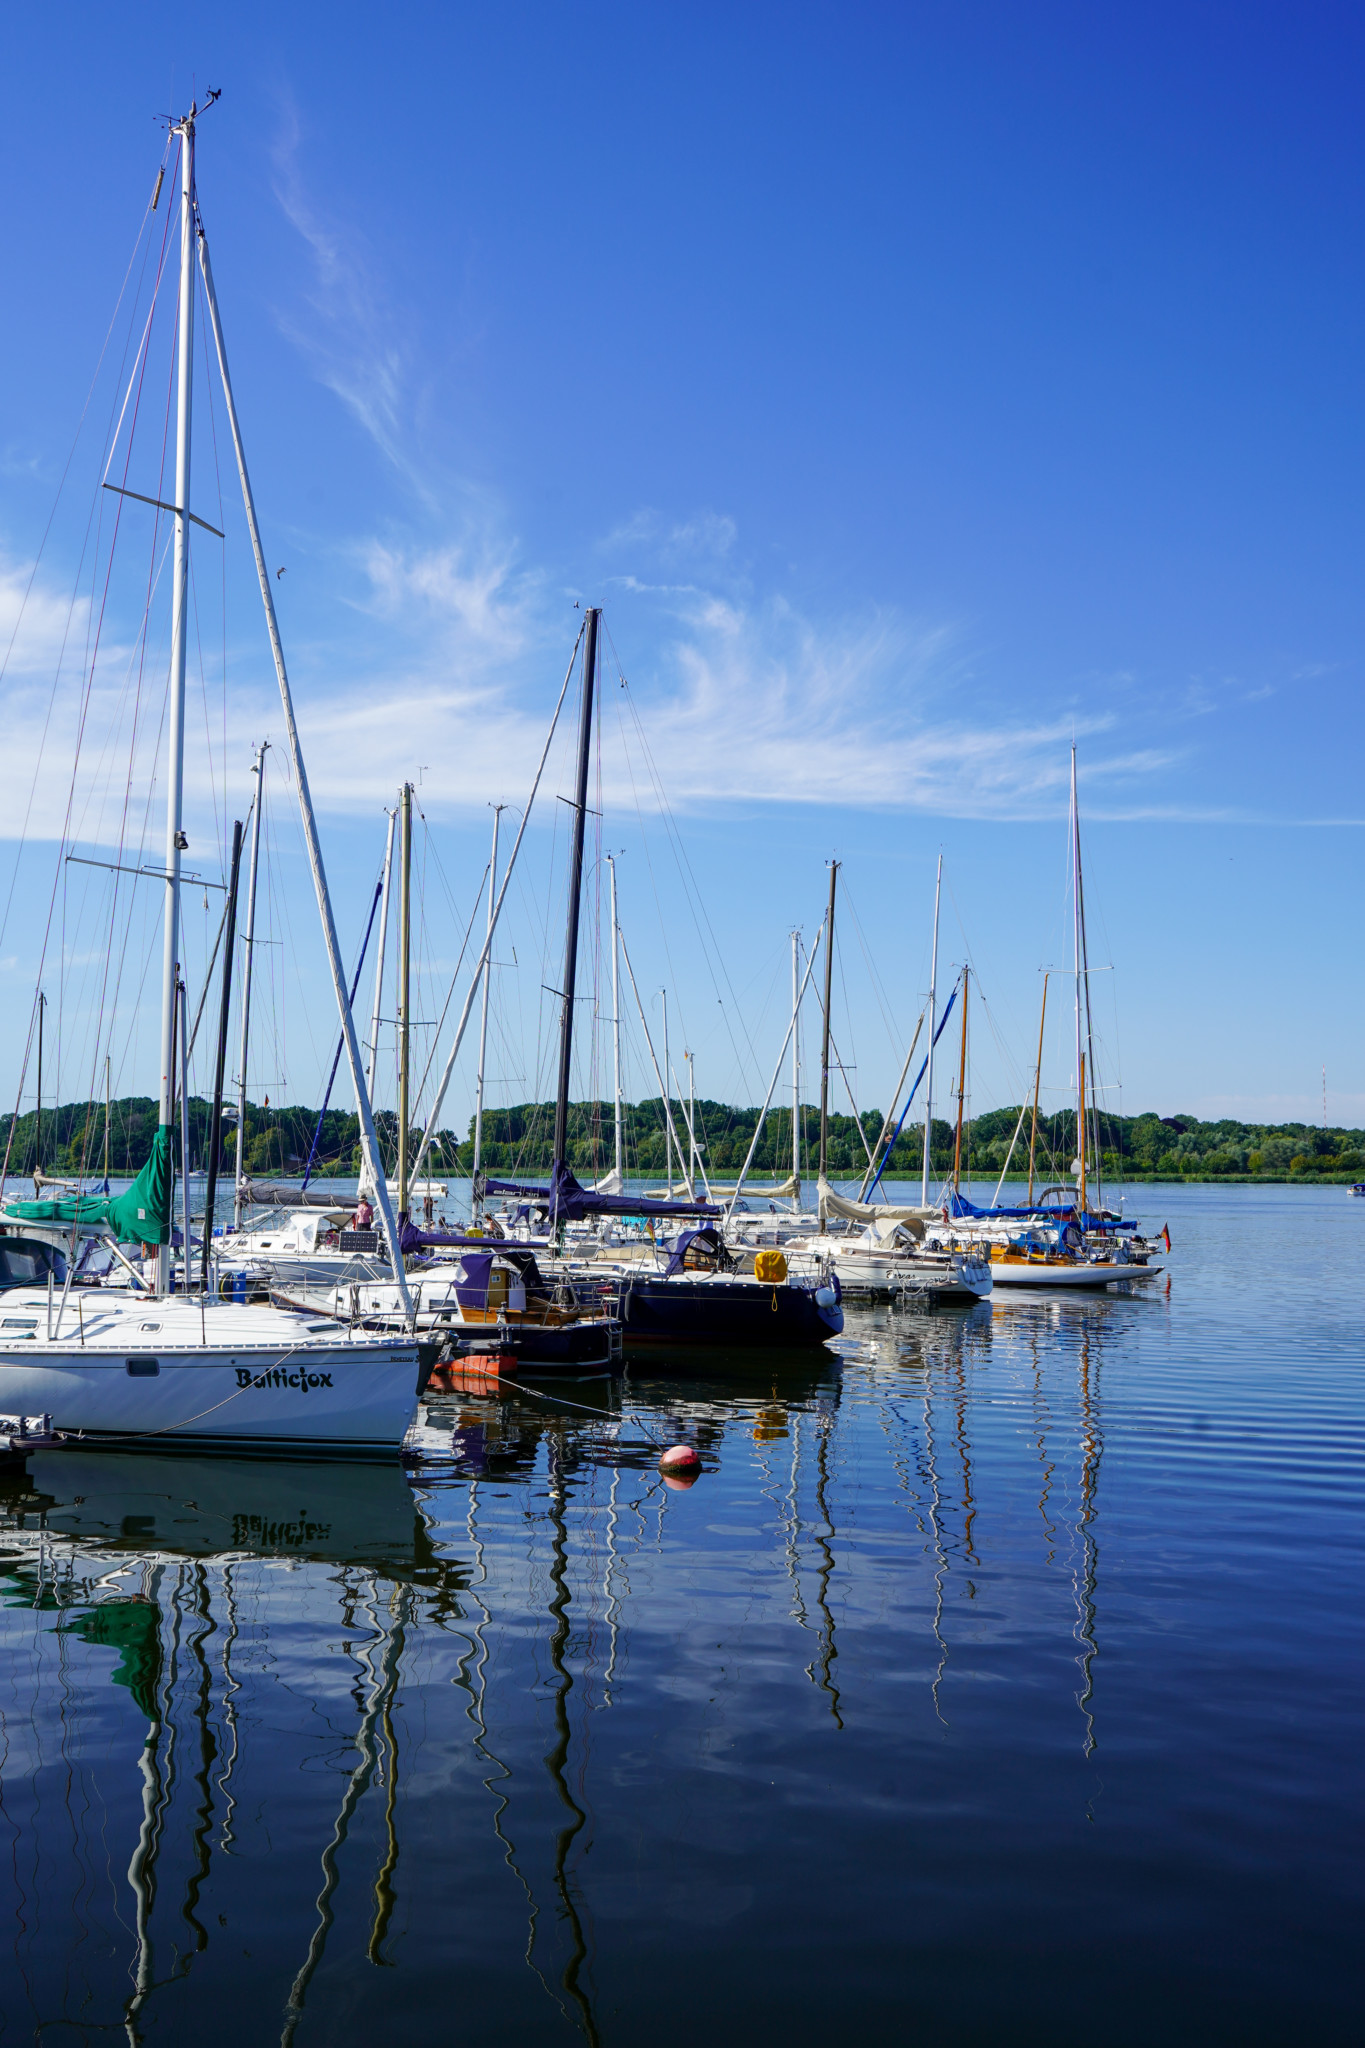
668,1106
248,950
498,810
369,1143
404,985
1076,909
692,1154
796,1063
618,1149
379,963
929,1062
175,775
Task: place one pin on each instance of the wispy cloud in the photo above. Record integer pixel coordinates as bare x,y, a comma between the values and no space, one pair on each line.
36,621
351,338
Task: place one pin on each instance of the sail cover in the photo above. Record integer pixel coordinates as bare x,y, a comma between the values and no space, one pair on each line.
142,1215
1066,1213
875,1212
567,1201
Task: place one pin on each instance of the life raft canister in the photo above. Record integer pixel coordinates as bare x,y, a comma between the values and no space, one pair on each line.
770,1266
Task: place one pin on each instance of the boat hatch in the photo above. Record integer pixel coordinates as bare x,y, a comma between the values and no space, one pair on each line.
319,1329
149,1326
19,1323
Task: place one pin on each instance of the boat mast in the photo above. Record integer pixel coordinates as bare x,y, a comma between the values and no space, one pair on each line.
220,1063
692,1154
379,963
1037,1084
796,1068
929,1064
618,1149
1081,1126
369,1143
248,953
38,1130
1082,966
824,1038
106,1123
668,1105
961,1088
498,810
575,892
404,985
175,770
1090,1067
183,1032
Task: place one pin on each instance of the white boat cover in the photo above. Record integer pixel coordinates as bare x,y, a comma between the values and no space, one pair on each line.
876,1212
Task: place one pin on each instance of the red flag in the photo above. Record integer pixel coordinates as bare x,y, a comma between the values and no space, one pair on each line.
1166,1235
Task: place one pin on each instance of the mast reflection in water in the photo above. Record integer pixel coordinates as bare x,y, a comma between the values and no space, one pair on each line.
533,1746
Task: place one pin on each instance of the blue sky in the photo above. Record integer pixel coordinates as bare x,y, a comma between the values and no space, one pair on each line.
915,388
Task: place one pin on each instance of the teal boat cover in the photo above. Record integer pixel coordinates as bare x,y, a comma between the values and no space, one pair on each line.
143,1213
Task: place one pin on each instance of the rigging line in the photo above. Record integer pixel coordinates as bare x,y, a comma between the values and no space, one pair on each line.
497,912
878,987
154,574
94,519
75,439
711,953
1008,1059
440,1022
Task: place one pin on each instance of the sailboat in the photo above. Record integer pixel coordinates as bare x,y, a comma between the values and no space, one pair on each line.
697,1295
1067,1243
155,1367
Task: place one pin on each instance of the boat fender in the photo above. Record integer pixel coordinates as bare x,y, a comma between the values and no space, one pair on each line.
826,1297
680,1462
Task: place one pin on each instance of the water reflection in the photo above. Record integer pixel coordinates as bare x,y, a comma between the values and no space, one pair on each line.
265,1624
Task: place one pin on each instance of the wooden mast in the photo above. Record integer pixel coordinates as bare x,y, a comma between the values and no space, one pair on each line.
1037,1084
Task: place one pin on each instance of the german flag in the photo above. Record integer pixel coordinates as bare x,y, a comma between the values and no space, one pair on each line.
1166,1235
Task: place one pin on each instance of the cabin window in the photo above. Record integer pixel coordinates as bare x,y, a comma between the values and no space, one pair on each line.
19,1323
143,1368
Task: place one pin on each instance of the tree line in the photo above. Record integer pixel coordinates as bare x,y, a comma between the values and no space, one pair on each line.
517,1141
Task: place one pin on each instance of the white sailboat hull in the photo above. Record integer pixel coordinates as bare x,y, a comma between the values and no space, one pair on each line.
1061,1275
160,1374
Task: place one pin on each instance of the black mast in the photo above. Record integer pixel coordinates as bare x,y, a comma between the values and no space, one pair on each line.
216,1121
575,890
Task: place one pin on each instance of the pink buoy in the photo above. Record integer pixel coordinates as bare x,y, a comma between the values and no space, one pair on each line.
681,1461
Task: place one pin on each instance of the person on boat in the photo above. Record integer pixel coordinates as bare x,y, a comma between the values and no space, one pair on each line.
364,1215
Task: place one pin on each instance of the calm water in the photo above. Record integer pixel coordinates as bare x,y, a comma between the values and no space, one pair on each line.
998,1681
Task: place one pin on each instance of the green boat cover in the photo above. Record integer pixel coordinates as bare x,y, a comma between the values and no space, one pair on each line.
143,1213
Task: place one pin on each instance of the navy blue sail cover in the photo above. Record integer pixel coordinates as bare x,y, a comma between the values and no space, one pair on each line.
567,1200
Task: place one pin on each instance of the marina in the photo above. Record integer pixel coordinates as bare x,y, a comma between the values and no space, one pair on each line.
1009,1600
679,1150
